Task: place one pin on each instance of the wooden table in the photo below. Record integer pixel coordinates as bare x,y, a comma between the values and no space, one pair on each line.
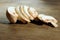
30,31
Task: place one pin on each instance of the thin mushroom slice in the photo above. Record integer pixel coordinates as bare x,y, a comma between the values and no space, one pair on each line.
19,15
11,14
19,11
33,12
27,13
48,19
23,12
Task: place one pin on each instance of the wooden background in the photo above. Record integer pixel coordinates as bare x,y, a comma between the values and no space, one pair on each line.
30,31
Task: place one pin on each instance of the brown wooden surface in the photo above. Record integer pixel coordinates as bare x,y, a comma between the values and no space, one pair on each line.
30,31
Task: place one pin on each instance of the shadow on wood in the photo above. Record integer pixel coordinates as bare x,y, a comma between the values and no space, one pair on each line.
39,22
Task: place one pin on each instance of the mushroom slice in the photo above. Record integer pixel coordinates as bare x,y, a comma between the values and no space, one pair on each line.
23,12
27,13
33,12
48,19
19,15
11,14
19,12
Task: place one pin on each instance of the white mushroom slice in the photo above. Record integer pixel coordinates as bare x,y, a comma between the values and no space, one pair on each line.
19,11
11,14
23,12
33,12
48,19
27,13
19,15
54,24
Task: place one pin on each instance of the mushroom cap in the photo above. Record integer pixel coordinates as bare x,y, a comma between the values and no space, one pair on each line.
11,14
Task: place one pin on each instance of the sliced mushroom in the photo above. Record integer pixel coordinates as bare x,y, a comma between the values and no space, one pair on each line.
48,19
33,12
27,13
20,17
19,11
11,14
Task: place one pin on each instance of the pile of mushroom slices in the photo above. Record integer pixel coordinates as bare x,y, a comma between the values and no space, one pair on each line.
26,14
